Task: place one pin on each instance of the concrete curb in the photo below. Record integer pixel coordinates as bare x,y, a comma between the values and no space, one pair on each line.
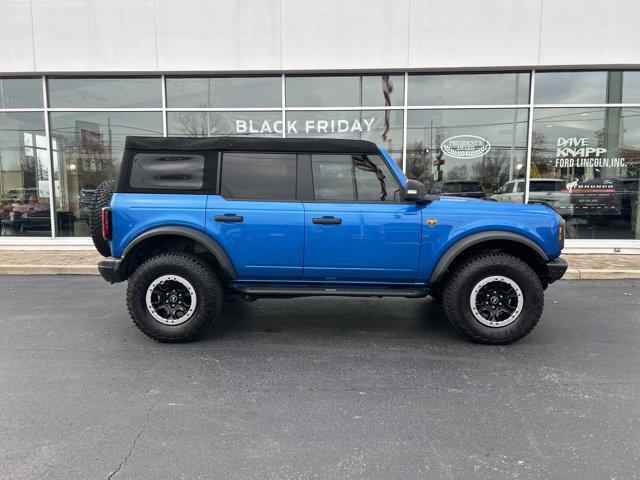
572,273
595,274
48,270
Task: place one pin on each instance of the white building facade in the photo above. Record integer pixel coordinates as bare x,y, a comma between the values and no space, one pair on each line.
517,101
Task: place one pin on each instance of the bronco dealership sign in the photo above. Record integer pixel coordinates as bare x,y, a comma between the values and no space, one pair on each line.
465,146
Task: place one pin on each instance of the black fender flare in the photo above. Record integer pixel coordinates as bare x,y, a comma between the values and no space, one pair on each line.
461,245
197,235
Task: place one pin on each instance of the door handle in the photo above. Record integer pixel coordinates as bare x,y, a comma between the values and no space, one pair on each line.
328,221
229,218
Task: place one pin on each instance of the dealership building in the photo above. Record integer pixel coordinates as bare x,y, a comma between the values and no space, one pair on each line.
515,101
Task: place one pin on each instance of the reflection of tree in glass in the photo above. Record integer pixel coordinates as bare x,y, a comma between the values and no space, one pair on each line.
417,162
492,169
461,172
542,155
198,124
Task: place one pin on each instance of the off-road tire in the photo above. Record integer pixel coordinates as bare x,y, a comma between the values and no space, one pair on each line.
101,198
201,276
458,289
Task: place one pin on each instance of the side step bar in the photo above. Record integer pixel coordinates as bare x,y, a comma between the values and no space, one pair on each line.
325,291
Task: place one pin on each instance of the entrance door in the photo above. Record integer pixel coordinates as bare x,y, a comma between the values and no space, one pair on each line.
357,229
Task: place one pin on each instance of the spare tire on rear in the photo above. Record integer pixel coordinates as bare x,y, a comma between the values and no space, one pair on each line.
101,199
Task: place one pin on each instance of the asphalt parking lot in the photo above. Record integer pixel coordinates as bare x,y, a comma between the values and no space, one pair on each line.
316,388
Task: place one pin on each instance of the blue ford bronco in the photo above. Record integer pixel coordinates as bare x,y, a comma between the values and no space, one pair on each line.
192,221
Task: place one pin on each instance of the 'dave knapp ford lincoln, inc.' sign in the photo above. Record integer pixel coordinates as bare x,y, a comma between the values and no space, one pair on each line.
465,146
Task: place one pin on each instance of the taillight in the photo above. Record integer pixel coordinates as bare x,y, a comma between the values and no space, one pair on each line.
106,223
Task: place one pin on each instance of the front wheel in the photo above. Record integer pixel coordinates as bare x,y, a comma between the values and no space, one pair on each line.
173,296
494,298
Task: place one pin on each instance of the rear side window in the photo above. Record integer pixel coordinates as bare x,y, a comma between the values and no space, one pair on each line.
259,176
350,178
166,171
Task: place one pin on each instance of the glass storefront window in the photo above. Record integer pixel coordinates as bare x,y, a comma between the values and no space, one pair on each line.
631,87
210,124
469,89
87,149
20,93
345,91
571,87
585,162
104,92
476,153
224,92
24,175
383,127
593,157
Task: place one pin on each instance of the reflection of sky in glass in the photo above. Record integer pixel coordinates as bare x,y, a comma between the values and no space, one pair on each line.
499,126
553,123
224,92
344,91
631,87
20,93
571,87
138,92
469,89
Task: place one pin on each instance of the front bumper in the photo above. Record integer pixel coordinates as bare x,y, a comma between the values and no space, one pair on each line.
110,269
556,269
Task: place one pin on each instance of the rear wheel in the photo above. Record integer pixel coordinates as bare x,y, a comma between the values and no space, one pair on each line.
101,198
494,298
173,296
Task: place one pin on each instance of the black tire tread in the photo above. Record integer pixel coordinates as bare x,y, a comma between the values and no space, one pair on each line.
101,198
213,291
454,285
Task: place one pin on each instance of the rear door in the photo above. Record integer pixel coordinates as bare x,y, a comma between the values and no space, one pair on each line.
357,229
256,216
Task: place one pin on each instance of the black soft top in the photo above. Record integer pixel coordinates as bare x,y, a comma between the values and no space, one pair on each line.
261,144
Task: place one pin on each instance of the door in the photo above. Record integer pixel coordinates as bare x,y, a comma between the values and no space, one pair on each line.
356,228
256,217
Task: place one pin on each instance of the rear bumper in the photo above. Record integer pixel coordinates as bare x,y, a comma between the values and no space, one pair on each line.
556,269
110,270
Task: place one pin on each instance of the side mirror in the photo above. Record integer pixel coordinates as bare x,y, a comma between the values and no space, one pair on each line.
415,192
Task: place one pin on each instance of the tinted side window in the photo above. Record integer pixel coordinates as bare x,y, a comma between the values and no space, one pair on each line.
259,176
350,178
333,177
167,171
